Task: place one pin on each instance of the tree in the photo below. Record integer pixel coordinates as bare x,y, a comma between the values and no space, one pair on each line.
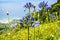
56,9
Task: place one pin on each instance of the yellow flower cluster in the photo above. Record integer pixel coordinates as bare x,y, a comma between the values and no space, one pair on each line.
48,31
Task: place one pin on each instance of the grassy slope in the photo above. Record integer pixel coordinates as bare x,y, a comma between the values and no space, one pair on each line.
50,31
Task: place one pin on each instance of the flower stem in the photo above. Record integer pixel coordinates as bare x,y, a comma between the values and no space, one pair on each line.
8,21
34,33
28,26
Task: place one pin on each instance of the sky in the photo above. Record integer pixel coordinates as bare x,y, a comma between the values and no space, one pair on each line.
16,8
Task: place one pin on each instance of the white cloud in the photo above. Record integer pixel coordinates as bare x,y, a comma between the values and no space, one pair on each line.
3,21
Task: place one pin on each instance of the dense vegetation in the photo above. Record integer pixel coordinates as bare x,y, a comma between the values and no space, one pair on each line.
48,31
43,24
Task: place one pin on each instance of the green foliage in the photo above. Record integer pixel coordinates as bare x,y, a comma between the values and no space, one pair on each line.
48,31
